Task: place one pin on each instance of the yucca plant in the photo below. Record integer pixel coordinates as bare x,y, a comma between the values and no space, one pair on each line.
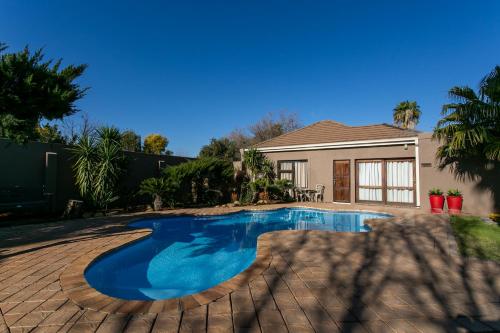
99,164
253,160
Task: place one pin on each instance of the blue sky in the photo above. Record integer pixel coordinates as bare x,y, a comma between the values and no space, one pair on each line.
192,70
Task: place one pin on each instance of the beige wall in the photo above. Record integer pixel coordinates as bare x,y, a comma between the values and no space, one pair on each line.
320,169
479,193
478,198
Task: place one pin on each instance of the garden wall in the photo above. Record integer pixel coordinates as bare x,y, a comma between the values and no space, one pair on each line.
38,172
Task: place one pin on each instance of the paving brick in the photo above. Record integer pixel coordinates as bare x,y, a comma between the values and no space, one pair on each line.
141,323
166,323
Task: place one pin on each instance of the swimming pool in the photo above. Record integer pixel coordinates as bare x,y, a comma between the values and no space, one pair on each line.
186,255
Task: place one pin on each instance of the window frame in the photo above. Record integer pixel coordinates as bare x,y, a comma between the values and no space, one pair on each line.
384,186
293,169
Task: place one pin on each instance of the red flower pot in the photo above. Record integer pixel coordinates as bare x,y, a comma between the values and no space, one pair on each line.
437,203
454,204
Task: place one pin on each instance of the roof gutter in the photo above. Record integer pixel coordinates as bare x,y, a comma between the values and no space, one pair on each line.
340,145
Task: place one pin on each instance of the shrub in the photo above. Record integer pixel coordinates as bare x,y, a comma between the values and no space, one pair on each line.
495,217
203,181
99,164
435,191
158,189
454,193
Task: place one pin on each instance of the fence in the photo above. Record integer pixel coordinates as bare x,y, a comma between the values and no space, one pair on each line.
40,174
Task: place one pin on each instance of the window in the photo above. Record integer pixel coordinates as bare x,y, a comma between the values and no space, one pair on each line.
386,181
370,181
400,181
295,171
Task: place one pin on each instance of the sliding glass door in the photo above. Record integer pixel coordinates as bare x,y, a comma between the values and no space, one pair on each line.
400,182
386,181
370,181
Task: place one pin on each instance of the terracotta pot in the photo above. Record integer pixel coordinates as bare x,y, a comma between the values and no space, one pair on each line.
454,204
437,203
234,196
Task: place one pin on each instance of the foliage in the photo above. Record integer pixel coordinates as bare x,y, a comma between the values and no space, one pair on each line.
269,127
277,189
130,141
406,114
266,128
454,193
156,144
159,189
435,191
49,134
240,138
267,169
222,148
495,217
99,163
253,160
32,89
202,181
475,238
470,127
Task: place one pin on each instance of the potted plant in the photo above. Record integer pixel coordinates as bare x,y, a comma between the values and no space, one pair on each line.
454,201
436,199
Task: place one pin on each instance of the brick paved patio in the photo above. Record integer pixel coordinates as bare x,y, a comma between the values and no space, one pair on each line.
404,276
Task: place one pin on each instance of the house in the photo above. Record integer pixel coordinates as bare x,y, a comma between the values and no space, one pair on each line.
377,164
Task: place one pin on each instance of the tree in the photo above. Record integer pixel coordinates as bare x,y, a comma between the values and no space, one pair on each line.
470,127
99,164
221,148
269,127
156,144
406,114
254,161
204,180
32,90
49,134
240,138
131,141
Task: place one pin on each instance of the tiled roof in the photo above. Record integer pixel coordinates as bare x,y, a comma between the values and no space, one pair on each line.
328,131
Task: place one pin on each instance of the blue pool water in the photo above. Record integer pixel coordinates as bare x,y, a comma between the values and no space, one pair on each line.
186,255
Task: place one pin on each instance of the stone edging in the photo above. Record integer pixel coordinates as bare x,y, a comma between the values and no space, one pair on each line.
77,289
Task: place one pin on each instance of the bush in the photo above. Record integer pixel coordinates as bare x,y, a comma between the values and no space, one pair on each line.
203,181
159,189
99,163
495,217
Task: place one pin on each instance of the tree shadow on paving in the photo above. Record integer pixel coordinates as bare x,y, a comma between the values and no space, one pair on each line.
401,273
28,239
410,263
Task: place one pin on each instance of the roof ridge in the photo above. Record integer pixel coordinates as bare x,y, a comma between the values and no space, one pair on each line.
298,129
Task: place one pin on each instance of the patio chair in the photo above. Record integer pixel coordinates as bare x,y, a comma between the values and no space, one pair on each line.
299,194
320,190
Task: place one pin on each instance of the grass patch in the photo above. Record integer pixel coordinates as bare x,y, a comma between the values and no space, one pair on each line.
476,238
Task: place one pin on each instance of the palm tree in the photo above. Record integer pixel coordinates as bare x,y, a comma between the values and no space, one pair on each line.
470,127
406,114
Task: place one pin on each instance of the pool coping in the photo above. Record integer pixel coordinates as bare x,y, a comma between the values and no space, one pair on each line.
79,291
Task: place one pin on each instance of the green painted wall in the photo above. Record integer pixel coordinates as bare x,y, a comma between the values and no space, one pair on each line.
34,172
